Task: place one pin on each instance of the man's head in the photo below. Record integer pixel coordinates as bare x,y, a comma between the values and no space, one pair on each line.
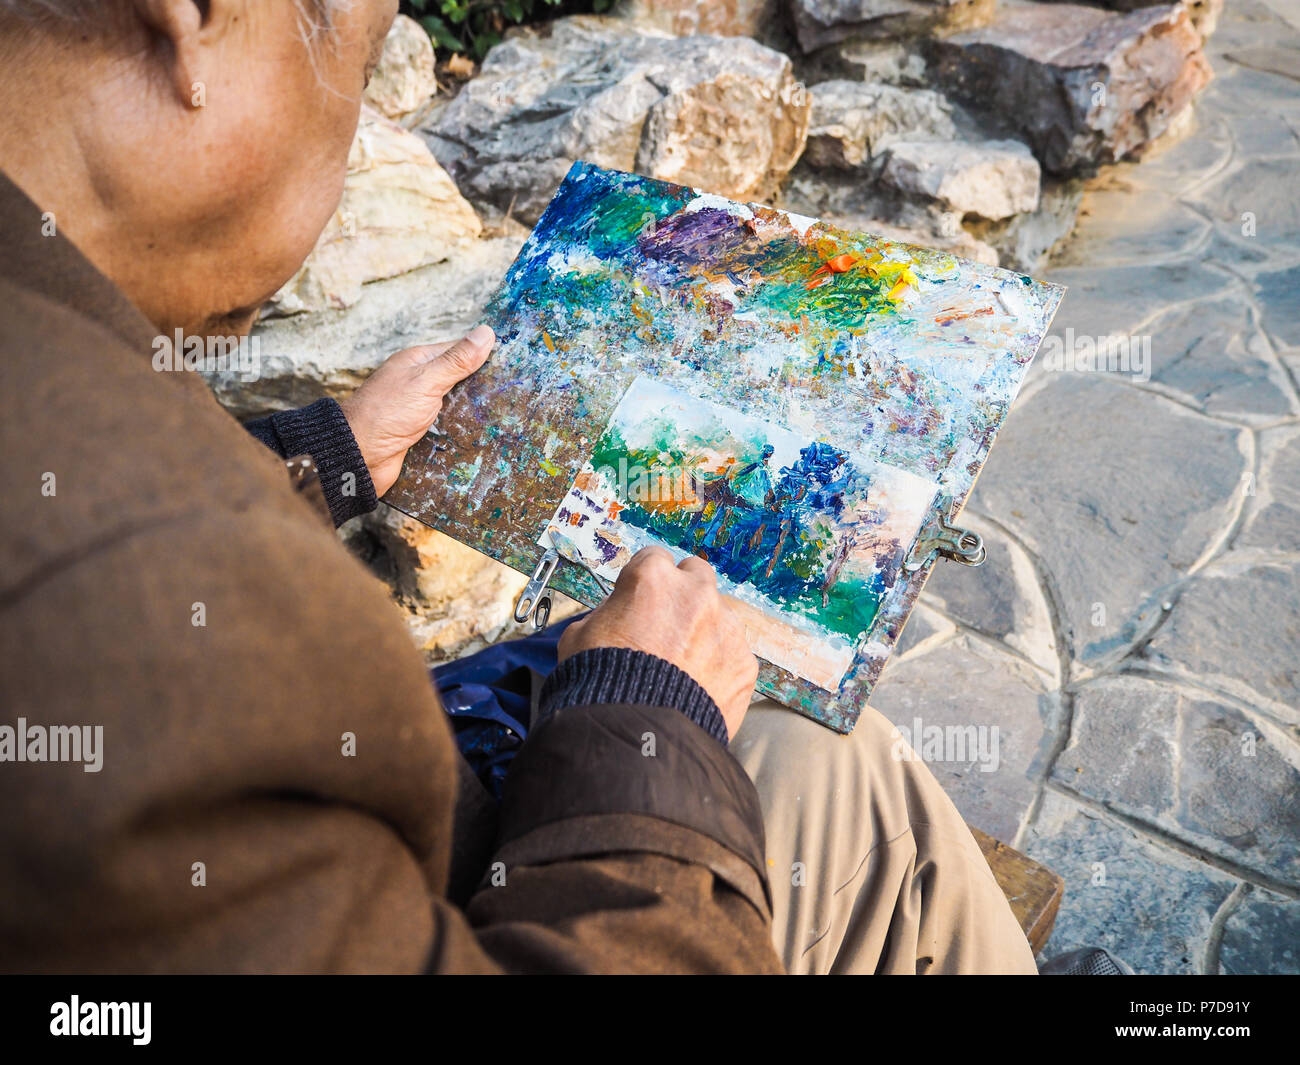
193,149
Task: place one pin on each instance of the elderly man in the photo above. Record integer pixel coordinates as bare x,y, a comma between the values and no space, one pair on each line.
276,785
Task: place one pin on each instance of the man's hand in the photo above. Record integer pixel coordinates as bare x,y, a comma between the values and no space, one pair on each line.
400,401
676,613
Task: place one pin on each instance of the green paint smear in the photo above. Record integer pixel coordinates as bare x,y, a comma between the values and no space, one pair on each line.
845,302
722,540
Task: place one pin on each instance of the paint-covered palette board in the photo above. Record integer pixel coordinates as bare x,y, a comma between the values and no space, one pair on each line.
768,372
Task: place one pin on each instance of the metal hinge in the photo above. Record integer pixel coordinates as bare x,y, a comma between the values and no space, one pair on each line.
940,538
534,602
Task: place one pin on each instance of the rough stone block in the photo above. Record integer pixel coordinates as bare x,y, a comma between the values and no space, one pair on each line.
1080,85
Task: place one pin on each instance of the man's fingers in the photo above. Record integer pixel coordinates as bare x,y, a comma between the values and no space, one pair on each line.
699,569
569,637
457,361
422,353
648,561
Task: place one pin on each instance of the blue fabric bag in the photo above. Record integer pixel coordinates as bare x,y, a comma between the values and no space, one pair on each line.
488,696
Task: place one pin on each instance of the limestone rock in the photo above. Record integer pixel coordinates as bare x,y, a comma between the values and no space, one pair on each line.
1177,129
404,79
892,62
993,179
330,352
1080,85
1027,242
399,211
823,22
456,601
896,153
941,230
1203,13
851,122
719,113
855,203
426,564
725,18
1190,766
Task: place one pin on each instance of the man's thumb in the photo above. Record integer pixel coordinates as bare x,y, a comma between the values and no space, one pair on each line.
460,360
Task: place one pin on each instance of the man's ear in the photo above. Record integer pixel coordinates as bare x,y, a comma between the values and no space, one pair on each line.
178,24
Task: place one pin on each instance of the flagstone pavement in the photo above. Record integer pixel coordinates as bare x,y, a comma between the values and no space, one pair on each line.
1135,633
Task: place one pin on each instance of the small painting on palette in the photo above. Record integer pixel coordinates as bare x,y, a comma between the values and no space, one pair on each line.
806,540
868,366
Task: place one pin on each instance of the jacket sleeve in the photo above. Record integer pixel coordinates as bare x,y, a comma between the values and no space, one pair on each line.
321,430
278,782
630,841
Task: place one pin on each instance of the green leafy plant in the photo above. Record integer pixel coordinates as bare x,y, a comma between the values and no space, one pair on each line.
474,26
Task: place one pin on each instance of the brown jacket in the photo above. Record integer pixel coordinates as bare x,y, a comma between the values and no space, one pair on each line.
223,741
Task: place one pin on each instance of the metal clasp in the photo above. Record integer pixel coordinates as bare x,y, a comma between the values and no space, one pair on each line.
535,600
939,536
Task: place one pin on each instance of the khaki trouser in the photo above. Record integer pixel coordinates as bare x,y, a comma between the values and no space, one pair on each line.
872,868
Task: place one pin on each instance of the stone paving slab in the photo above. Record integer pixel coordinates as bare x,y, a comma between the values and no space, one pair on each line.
1262,936
1002,599
1258,186
925,629
1279,293
1150,905
1104,299
1187,163
1144,531
983,700
1124,220
1273,512
1118,493
1214,356
1237,630
1189,766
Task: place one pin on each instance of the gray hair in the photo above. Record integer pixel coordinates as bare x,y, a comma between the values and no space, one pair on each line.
314,16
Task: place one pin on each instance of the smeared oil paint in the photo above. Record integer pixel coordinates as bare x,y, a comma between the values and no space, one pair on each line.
808,536
889,353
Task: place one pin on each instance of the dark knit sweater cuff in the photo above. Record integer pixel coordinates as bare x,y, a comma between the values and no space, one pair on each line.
621,675
322,431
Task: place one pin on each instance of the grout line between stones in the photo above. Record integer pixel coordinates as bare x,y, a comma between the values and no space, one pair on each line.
1166,839
1065,728
1214,942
